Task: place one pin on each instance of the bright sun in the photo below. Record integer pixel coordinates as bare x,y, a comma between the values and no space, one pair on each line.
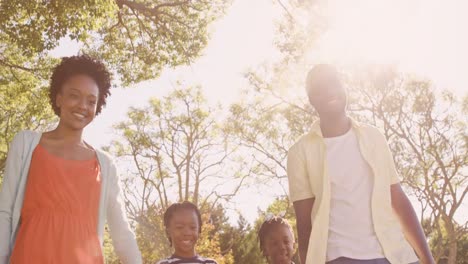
428,38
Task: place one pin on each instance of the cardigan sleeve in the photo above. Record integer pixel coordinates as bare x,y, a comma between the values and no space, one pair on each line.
123,238
11,179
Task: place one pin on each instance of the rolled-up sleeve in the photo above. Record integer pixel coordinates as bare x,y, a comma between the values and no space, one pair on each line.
298,178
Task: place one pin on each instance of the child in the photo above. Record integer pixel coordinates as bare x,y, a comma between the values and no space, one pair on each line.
277,240
183,227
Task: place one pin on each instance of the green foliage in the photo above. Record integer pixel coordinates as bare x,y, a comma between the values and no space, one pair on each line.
136,38
239,240
209,243
108,249
439,241
247,249
24,101
38,26
151,235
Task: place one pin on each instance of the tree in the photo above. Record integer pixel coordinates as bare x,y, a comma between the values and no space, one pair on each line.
24,101
136,38
237,240
247,249
175,146
175,150
428,135
151,236
209,244
265,125
108,249
438,240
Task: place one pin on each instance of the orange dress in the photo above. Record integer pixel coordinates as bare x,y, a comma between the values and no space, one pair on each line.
60,212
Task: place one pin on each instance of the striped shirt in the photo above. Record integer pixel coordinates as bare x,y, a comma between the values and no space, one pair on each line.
179,260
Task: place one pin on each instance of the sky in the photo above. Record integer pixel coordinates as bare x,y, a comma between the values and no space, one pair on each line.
427,38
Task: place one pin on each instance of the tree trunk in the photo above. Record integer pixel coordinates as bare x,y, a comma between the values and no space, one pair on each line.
452,241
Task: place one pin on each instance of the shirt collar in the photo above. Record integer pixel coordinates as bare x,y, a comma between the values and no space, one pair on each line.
317,131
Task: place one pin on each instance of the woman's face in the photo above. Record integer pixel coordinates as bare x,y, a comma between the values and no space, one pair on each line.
279,245
77,101
183,230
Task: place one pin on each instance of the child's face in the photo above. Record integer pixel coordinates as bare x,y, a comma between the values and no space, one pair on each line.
279,245
183,231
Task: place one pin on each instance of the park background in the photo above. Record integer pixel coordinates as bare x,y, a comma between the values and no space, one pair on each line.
209,95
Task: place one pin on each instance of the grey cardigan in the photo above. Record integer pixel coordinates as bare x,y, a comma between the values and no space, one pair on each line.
110,204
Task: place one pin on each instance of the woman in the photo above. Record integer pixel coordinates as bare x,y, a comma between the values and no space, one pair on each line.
58,191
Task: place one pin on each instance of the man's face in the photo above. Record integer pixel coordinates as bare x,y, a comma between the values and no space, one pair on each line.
326,93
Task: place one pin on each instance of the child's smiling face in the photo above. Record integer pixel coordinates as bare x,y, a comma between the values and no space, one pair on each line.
183,231
279,245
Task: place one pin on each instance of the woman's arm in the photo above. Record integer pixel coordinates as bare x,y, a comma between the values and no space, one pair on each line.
8,191
123,238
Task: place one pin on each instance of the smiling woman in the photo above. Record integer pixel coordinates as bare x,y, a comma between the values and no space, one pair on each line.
58,191
77,101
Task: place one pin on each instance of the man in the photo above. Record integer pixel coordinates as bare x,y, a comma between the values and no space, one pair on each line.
349,204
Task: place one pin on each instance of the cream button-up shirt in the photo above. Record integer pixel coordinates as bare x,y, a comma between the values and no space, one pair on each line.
308,178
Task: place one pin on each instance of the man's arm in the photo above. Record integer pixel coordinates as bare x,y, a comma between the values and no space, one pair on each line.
303,209
410,223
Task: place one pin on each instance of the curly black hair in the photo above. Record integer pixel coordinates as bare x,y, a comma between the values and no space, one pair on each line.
268,226
76,65
186,205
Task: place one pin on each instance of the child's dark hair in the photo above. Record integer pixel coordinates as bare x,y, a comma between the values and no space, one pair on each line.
76,65
185,205
268,226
